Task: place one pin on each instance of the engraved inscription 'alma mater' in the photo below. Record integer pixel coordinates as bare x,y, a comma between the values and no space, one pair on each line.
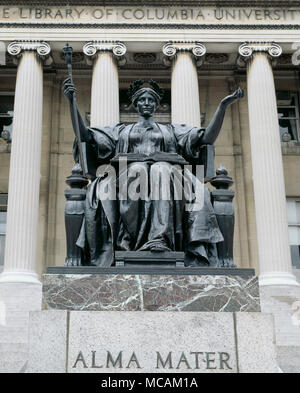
191,360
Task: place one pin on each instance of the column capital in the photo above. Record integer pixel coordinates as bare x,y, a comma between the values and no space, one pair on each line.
92,48
247,49
171,49
42,49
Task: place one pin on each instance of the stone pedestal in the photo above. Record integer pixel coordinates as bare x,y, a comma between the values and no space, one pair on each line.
126,320
153,342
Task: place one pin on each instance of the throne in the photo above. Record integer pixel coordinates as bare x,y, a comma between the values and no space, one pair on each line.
221,197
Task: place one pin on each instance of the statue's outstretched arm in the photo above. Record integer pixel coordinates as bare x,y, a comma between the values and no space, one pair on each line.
213,129
69,91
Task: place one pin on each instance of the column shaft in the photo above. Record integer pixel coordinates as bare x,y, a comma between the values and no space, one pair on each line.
185,91
24,174
268,178
105,91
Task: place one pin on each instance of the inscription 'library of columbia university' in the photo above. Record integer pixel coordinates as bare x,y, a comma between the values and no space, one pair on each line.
121,14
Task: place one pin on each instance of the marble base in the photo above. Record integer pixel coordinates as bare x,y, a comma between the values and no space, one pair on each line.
151,292
151,342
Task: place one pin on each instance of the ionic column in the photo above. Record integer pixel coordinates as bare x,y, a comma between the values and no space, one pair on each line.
24,172
105,81
184,84
268,178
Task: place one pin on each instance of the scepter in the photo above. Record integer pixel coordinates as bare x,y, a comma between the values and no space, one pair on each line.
68,50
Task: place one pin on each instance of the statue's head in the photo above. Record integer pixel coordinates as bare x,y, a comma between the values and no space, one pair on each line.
145,99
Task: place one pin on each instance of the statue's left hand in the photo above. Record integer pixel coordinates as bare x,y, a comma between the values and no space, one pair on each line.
239,93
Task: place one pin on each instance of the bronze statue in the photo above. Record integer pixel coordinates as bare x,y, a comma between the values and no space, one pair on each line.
147,224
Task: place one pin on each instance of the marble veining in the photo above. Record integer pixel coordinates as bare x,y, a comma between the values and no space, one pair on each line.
125,292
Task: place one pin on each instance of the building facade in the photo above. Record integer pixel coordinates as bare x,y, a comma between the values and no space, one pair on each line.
199,52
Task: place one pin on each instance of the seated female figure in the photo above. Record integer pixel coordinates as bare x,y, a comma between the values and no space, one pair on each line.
186,223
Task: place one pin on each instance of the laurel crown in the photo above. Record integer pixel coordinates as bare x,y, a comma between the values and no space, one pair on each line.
137,84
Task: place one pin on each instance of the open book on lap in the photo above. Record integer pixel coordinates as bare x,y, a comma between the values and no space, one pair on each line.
172,158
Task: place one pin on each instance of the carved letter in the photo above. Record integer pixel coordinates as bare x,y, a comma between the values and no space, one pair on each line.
124,13
48,12
168,360
200,15
224,357
184,14
58,13
110,359
38,13
196,358
133,359
139,13
98,14
5,12
80,358
94,360
78,12
21,13
172,15
68,13
183,359
209,360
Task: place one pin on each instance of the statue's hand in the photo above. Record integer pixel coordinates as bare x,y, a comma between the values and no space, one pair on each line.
239,93
68,89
